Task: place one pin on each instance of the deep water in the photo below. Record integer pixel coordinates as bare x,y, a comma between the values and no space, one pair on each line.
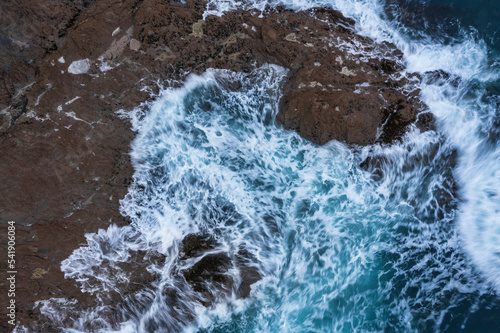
449,18
415,247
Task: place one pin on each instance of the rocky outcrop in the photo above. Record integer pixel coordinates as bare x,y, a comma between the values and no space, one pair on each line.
341,86
29,32
64,149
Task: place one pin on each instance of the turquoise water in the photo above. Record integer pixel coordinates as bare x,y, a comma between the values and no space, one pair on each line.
337,251
414,247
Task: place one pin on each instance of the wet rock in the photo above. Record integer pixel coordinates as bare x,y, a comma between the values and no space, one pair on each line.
426,121
131,289
195,245
351,99
249,272
444,196
440,77
374,165
210,276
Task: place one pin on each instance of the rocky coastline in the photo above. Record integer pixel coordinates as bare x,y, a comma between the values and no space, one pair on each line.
67,68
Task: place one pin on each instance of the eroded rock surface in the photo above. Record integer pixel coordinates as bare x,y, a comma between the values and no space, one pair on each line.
67,67
210,274
30,31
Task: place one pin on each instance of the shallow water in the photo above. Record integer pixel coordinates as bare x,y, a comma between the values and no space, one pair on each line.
414,248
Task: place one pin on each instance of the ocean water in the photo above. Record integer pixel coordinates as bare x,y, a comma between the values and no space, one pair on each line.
414,246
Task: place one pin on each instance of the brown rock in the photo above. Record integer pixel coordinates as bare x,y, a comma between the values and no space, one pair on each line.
29,31
209,276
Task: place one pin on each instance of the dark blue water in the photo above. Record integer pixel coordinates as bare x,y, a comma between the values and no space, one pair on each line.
448,19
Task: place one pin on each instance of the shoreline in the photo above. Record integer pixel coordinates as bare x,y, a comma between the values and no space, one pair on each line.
65,161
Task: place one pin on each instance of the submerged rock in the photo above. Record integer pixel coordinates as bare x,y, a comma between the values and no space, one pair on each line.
210,276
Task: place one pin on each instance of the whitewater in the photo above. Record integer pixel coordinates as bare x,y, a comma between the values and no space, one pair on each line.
412,244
